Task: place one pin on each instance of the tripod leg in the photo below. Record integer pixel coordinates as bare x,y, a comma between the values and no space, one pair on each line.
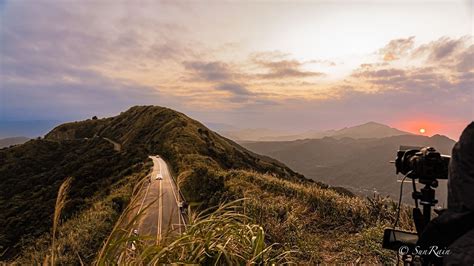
419,220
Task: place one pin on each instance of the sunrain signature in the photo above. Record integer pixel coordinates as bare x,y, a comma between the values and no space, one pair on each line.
431,250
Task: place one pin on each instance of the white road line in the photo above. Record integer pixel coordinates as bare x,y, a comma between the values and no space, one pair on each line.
159,162
177,200
139,209
144,197
160,210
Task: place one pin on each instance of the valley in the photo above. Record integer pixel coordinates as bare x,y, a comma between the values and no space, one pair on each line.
361,165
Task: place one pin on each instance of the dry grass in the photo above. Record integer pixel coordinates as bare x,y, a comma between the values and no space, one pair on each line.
79,238
325,226
60,203
219,236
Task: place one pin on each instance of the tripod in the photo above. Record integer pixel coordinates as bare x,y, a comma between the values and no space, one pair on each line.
427,199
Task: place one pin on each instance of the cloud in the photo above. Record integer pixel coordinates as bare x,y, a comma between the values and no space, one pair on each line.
284,69
322,62
222,78
442,50
52,63
396,48
70,59
445,63
209,71
465,62
234,88
381,73
90,94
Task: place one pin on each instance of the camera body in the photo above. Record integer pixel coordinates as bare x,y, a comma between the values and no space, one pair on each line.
425,164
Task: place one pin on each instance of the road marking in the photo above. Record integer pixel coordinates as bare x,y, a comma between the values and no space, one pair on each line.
160,210
144,197
176,198
139,209
159,162
163,168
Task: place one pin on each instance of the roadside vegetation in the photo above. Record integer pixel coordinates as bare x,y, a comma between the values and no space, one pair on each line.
323,225
216,236
80,237
32,173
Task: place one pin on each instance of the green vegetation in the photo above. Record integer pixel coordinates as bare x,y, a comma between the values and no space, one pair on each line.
218,236
81,236
32,173
285,217
323,225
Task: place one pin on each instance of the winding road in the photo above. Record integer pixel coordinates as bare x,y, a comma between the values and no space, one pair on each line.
161,198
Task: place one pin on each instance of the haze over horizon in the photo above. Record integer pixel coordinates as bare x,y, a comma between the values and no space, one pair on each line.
300,66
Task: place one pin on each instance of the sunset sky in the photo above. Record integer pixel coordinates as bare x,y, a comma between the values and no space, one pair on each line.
286,65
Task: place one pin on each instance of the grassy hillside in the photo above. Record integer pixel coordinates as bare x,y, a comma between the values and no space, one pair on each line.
359,164
281,206
299,222
32,173
183,141
320,224
189,147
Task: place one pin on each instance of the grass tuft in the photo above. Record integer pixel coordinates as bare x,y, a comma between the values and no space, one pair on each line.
60,203
215,236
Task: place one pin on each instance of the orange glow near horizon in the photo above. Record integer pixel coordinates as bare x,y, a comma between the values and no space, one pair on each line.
452,129
419,126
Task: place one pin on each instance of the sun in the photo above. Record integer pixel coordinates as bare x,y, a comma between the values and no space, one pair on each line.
422,130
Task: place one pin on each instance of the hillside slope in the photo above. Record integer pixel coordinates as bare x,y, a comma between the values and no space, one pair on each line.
181,140
31,173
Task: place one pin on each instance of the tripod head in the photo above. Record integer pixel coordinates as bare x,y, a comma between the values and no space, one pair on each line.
426,198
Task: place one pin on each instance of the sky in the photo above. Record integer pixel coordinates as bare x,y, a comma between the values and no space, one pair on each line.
283,65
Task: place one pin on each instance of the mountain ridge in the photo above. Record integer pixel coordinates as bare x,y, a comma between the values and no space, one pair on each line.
144,126
366,130
359,164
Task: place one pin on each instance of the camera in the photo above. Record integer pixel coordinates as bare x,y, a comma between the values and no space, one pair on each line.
425,164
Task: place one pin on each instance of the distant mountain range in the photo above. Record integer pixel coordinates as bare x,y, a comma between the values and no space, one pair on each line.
361,165
367,130
6,142
27,128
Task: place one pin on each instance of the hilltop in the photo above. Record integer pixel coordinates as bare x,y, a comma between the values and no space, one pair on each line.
322,224
178,138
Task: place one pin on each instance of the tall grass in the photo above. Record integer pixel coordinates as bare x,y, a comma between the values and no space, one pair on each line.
218,236
79,238
327,227
60,203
